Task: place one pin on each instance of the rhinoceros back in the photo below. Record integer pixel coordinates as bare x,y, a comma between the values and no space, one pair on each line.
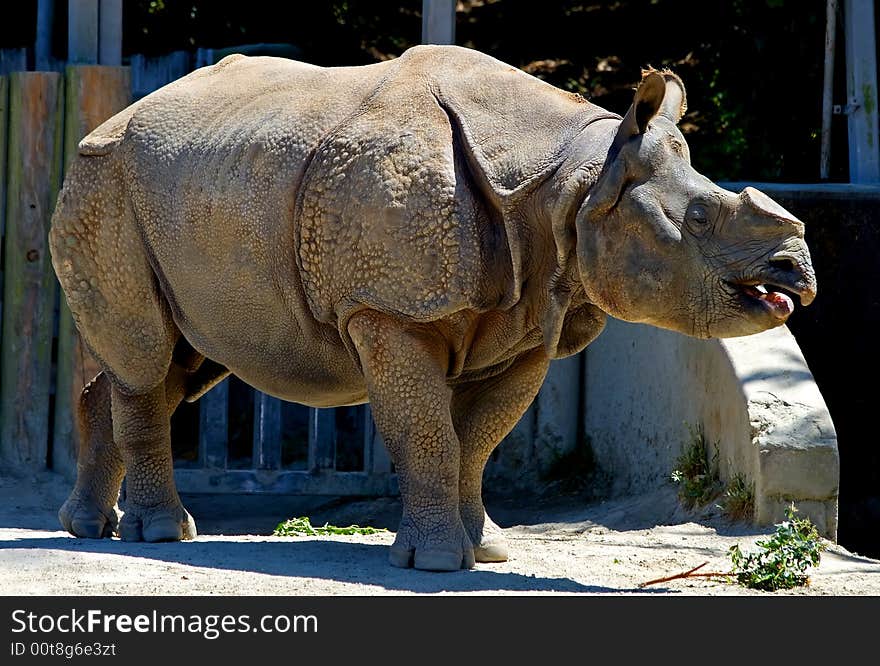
213,164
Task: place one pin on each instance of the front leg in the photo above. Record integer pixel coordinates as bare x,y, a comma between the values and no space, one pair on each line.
484,413
404,368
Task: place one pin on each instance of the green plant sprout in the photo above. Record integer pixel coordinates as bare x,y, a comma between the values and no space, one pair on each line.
695,475
738,501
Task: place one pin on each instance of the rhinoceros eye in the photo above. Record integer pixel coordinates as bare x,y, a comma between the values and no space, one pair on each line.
699,214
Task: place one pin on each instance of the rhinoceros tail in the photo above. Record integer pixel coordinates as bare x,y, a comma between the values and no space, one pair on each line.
109,134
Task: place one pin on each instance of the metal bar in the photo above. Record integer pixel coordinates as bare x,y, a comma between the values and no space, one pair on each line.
214,427
322,439
267,431
284,482
861,91
828,88
438,21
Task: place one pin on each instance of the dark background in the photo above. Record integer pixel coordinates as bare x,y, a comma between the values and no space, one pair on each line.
753,68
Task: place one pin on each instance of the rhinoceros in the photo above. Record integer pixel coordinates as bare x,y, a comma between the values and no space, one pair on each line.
424,234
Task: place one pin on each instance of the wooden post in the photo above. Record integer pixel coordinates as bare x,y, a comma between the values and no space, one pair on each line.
82,31
36,102
94,93
438,21
4,119
828,88
43,60
861,91
110,33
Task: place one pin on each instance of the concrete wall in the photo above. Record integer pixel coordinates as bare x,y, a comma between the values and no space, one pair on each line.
549,431
754,396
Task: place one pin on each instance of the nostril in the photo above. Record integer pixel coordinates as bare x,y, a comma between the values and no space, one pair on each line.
782,264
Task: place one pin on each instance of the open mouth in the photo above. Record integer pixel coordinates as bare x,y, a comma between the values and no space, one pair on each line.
776,299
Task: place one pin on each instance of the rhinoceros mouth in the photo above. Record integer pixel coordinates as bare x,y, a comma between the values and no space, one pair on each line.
775,297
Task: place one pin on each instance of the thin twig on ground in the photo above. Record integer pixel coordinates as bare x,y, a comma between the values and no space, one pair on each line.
691,573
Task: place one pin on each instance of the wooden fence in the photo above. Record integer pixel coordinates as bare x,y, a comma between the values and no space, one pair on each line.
234,439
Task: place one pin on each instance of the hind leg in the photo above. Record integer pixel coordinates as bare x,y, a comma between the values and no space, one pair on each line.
142,430
123,318
90,510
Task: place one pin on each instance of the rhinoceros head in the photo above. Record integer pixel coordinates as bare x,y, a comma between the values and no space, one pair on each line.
659,243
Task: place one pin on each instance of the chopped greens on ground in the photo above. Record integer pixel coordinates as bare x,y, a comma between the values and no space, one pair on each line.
302,526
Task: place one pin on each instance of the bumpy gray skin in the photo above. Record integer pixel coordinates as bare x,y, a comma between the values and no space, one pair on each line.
425,234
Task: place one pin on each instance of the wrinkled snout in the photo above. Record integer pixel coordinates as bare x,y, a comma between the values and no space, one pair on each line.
783,264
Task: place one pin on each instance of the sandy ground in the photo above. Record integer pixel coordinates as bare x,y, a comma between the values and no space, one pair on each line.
556,548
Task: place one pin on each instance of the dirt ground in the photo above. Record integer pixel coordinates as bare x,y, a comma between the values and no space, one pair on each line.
559,547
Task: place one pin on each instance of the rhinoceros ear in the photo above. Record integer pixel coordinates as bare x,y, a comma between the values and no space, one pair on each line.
646,104
675,99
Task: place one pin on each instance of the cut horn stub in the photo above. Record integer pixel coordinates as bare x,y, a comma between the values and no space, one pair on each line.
764,205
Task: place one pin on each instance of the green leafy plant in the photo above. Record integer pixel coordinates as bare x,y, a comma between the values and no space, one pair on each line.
738,501
695,475
302,526
781,562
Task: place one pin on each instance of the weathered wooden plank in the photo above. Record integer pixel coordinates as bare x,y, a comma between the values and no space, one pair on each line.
43,42
861,91
214,427
267,431
204,57
322,439
151,73
282,482
36,102
110,33
82,31
4,118
13,60
93,94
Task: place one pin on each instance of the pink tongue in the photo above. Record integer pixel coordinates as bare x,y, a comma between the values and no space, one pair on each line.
782,305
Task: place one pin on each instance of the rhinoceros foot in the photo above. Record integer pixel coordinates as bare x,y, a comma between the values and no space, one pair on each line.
449,550
162,523
84,516
490,544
